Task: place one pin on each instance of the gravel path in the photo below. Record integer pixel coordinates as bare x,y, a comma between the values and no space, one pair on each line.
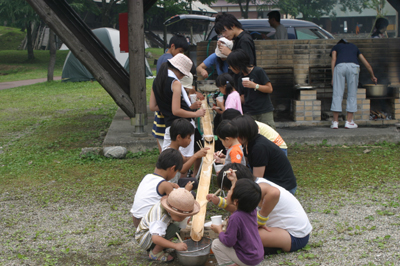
43,227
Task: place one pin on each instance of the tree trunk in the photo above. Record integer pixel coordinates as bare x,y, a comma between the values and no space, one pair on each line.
52,62
29,44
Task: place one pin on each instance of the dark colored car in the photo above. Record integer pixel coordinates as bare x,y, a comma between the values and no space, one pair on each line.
260,28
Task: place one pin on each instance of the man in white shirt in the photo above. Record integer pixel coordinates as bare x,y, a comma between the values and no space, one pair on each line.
274,20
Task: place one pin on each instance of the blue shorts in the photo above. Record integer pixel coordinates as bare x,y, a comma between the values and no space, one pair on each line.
299,243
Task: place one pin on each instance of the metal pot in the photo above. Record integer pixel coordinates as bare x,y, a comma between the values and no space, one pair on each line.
197,252
376,90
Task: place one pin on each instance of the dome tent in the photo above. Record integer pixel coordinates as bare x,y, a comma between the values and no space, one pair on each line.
73,69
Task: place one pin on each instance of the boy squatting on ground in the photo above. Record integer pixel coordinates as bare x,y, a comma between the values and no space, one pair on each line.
154,186
240,244
283,223
181,132
228,133
156,227
263,129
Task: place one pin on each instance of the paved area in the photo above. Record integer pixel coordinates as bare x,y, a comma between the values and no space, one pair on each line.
13,84
121,133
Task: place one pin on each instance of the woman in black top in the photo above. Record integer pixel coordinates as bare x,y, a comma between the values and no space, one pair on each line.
265,158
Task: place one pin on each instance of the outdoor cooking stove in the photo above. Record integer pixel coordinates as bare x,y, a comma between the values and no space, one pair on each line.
385,103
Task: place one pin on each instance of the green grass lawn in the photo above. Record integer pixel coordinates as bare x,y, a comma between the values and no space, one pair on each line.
44,127
10,38
15,66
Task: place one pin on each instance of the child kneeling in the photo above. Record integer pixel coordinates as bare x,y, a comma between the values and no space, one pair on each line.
241,243
156,227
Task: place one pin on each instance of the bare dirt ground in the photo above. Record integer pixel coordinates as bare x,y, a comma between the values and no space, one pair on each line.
349,228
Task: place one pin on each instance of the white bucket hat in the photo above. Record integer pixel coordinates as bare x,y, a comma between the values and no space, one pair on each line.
227,43
187,81
182,63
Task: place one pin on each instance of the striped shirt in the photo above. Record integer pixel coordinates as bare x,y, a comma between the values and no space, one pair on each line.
156,221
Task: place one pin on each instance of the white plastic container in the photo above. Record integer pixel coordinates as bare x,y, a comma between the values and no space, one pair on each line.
216,220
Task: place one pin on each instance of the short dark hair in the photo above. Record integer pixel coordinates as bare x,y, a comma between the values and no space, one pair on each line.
247,127
248,194
230,114
238,59
242,172
169,158
275,15
179,41
227,129
181,126
226,20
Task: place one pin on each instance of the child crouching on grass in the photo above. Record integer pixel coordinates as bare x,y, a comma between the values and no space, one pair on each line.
283,223
154,186
241,243
156,228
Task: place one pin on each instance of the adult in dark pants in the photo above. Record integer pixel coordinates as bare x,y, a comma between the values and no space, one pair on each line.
266,159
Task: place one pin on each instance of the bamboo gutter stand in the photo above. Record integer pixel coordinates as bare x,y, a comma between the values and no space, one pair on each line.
205,177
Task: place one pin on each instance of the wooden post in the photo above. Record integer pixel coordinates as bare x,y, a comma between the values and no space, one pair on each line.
137,65
205,177
60,17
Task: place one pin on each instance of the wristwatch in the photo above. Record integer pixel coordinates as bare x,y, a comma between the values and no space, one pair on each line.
257,87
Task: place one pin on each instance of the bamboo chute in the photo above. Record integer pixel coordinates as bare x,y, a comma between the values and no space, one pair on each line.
205,176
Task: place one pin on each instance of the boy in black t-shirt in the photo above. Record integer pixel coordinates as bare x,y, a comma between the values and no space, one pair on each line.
255,90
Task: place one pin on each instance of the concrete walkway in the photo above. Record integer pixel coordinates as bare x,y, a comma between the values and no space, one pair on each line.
121,133
13,84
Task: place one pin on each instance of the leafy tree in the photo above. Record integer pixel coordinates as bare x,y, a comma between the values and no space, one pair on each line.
19,13
243,5
308,8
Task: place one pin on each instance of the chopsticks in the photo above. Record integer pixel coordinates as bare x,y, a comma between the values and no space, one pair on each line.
228,171
219,153
179,237
215,194
199,144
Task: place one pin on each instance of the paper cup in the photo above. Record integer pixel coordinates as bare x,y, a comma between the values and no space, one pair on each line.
245,79
183,224
220,98
216,220
193,98
218,167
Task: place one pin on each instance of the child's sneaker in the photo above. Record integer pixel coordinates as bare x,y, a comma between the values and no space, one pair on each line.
350,124
335,125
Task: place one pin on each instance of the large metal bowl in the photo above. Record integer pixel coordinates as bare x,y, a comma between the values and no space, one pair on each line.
197,252
373,90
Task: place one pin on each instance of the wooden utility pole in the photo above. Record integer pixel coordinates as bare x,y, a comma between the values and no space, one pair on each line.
137,63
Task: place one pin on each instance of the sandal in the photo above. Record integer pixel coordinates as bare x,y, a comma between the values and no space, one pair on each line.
162,256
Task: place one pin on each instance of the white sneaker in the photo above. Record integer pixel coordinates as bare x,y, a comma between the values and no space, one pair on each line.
335,125
350,124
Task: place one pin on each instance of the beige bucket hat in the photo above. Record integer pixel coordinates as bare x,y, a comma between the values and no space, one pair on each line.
182,63
181,203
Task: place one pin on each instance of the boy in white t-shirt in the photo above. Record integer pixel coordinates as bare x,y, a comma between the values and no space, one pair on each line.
154,186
